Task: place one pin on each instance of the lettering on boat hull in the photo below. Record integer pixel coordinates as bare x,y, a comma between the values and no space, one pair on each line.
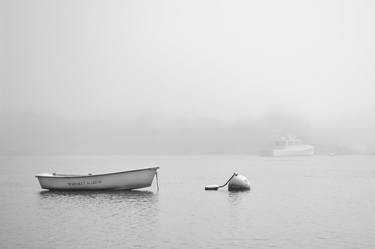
84,183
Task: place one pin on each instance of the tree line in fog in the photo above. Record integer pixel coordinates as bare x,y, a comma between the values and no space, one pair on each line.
32,133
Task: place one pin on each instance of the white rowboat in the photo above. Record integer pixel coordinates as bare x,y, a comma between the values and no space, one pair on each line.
132,179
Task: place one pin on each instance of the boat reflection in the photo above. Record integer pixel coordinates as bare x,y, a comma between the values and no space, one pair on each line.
107,195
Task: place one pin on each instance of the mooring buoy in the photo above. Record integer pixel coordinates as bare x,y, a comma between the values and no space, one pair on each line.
236,183
239,183
216,187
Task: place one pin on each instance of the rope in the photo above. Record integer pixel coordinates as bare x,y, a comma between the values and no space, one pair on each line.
157,180
234,174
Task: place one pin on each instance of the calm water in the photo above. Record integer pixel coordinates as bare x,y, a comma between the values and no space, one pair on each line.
315,202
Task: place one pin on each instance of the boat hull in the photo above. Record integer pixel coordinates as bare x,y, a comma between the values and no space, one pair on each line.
133,179
304,150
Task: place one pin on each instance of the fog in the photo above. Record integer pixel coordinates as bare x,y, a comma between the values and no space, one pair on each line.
174,77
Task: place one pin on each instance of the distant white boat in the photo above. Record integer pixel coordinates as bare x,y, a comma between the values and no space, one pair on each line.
132,179
291,146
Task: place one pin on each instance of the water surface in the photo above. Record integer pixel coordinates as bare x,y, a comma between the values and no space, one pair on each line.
307,202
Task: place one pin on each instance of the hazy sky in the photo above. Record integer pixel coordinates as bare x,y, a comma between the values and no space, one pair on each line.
225,59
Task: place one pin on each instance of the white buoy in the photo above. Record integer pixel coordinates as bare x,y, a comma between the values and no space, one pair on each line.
235,183
238,183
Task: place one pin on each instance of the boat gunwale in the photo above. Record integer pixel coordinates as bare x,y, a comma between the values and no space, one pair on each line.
94,175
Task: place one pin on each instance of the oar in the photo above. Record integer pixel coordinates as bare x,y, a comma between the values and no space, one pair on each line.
216,187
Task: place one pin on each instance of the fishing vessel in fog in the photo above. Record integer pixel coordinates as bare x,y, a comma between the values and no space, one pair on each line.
291,146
